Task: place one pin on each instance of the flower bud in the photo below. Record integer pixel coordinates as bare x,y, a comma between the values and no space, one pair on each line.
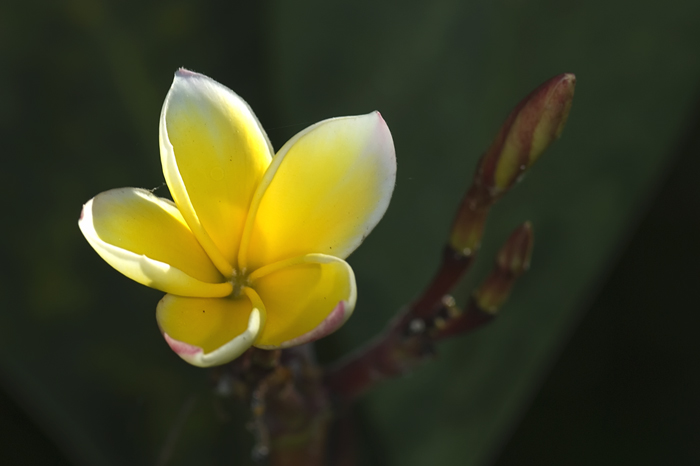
530,128
512,261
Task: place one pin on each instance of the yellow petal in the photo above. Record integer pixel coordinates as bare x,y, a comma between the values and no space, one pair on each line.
324,192
208,332
214,153
306,298
145,238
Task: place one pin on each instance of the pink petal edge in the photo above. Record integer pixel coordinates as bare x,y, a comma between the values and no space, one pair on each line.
329,325
180,347
185,73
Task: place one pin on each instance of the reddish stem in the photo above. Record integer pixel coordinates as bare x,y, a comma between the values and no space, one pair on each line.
452,268
469,320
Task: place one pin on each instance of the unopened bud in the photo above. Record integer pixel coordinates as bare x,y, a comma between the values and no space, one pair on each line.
514,256
530,128
512,261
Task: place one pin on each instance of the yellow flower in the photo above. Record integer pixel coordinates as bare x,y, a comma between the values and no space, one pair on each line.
251,251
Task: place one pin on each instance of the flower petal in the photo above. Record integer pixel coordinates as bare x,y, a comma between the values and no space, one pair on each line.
306,298
214,153
145,238
208,332
324,192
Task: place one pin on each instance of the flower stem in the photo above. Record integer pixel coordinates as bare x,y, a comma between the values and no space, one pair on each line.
530,128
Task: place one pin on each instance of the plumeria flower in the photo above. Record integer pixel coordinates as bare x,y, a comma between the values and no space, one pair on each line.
250,253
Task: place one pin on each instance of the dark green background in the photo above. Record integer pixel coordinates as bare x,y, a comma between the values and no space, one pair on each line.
80,95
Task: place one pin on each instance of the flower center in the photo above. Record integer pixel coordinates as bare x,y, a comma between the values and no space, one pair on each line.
239,280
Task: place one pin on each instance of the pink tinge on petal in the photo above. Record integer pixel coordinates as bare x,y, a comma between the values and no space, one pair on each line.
180,347
186,72
329,325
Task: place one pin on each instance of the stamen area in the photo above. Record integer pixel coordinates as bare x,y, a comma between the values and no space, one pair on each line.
240,280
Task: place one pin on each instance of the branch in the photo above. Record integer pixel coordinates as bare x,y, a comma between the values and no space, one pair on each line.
290,396
403,346
530,128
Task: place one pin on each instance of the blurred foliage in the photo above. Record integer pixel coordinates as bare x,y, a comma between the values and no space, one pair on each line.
79,104
625,388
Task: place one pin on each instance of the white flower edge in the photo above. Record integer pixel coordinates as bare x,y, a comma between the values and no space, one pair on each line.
382,143
223,354
199,88
335,319
143,269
